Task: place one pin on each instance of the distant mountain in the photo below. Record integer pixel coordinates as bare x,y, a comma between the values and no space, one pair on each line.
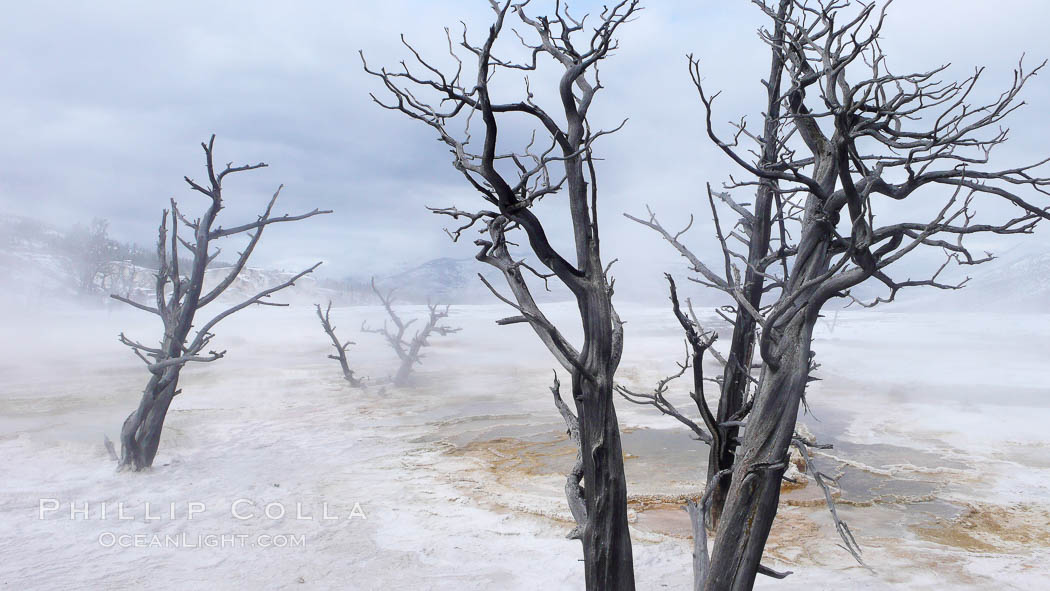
1019,280
455,281
442,280
38,260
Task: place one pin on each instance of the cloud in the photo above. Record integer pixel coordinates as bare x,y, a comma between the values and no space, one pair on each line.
105,104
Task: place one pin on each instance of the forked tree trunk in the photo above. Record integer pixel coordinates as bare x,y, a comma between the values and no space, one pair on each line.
408,351
734,387
140,435
761,459
608,558
737,375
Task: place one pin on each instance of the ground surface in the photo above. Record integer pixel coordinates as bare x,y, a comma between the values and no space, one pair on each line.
938,424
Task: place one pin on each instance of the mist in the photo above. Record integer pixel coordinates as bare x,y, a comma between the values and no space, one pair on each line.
921,421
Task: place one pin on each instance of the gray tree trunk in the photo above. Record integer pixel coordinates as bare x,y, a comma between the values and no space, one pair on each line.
512,191
140,435
608,557
754,491
737,374
178,298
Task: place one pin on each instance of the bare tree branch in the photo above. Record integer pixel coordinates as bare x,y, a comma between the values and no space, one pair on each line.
339,346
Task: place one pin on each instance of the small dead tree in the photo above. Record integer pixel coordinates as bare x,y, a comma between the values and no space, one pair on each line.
847,137
410,352
180,294
340,347
510,182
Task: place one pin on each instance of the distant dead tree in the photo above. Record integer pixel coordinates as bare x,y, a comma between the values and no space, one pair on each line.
90,250
180,295
842,137
510,182
340,347
125,278
831,324
410,352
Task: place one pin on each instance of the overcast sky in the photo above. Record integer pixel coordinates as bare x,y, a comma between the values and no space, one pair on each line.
104,105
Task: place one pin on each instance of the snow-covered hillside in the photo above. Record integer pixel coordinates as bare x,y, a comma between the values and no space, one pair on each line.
449,280
30,260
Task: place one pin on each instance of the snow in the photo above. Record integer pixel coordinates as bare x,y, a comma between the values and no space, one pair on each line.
459,476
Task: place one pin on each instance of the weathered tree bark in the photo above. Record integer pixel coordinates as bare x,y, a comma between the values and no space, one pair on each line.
701,561
754,493
140,435
608,559
178,298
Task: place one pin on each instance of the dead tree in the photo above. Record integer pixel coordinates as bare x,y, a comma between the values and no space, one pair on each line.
510,181
340,347
410,352
180,294
710,430
91,250
747,288
846,137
